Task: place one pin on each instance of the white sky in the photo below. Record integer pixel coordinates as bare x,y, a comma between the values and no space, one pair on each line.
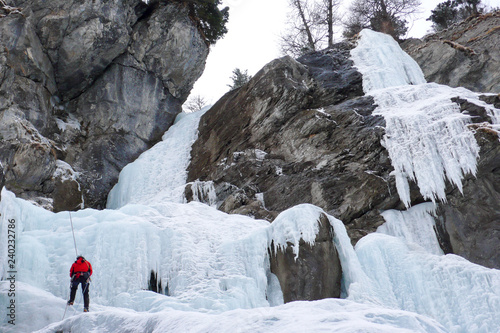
253,36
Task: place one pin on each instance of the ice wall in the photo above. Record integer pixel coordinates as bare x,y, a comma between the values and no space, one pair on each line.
383,63
200,252
426,134
414,226
213,262
159,173
462,296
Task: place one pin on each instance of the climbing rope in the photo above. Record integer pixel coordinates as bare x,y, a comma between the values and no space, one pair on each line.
73,231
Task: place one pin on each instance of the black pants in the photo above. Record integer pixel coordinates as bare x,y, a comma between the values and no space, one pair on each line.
85,290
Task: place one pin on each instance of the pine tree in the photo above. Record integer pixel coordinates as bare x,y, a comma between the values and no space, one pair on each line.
239,78
209,18
452,11
212,20
444,15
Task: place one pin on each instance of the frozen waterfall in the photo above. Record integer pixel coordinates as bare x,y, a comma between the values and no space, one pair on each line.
214,267
426,134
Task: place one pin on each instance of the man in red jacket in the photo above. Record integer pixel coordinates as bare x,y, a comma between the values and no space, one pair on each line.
80,272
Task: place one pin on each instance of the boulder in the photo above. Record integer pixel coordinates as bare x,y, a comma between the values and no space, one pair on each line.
315,273
28,158
67,195
465,55
32,164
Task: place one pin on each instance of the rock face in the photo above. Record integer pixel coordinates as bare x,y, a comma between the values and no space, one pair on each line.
465,55
299,132
81,38
316,272
303,132
470,222
93,83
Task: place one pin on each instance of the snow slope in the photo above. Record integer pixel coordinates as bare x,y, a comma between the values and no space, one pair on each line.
213,266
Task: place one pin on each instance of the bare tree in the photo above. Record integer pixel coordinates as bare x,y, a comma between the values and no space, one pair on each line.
195,103
311,26
388,16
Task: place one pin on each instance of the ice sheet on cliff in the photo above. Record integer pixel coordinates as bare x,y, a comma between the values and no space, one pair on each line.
214,262
426,134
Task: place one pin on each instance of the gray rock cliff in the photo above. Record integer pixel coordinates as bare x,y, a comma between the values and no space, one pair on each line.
470,222
92,83
465,55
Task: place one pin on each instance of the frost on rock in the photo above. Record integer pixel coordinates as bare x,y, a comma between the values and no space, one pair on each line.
426,134
71,123
64,171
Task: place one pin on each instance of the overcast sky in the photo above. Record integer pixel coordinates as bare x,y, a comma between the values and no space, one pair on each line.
252,40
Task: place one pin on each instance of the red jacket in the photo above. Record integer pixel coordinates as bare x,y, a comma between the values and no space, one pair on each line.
80,266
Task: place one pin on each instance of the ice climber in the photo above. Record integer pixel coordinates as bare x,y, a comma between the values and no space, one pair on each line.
80,272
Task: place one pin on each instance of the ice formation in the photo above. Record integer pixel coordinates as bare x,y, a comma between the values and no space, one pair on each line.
415,225
214,267
383,63
159,173
426,134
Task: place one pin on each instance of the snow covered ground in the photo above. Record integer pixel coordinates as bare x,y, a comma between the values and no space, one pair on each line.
214,267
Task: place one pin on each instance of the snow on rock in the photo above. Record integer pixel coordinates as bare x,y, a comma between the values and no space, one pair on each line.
64,171
159,173
415,225
294,224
